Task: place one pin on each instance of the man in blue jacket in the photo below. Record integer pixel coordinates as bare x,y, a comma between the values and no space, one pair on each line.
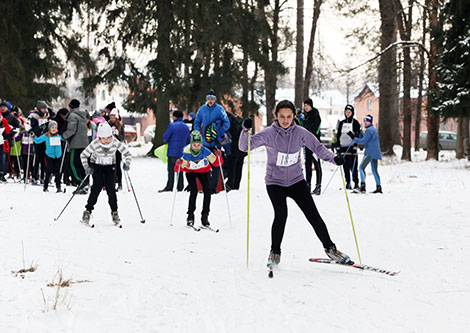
212,122
370,140
177,137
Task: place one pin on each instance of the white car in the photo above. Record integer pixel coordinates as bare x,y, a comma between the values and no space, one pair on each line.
149,133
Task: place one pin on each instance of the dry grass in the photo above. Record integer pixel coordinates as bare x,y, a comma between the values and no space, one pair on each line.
21,272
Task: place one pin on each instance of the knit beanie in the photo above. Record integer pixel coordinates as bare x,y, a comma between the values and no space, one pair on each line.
104,130
74,103
178,114
211,95
196,137
349,107
369,118
309,101
41,105
51,123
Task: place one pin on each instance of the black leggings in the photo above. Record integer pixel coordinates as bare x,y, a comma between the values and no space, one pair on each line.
309,159
350,166
204,179
300,194
103,176
52,168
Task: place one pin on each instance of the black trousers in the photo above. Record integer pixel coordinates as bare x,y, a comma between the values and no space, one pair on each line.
52,168
309,159
171,175
234,170
118,168
300,193
205,182
350,166
78,172
104,176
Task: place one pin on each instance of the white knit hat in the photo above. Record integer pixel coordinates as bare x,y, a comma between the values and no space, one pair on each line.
114,112
104,130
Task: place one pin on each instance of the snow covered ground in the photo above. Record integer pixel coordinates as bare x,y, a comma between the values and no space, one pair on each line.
155,278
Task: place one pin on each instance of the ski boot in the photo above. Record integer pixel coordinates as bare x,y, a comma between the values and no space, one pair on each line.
45,189
86,217
115,217
274,259
205,220
317,190
337,255
378,190
190,220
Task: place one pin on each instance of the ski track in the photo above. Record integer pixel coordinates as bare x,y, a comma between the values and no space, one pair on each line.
155,278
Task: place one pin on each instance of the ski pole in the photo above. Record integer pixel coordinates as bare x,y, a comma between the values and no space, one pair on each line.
175,184
331,178
248,205
350,215
225,190
127,183
26,176
136,201
63,157
73,194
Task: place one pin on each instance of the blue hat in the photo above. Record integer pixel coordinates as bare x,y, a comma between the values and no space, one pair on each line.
8,105
211,95
369,118
191,114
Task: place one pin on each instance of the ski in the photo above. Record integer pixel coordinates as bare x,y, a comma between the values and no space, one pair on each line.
87,224
193,227
209,228
352,264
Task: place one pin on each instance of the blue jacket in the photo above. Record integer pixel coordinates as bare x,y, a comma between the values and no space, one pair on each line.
177,136
206,116
370,140
51,151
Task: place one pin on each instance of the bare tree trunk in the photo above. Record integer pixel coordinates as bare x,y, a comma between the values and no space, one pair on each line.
245,85
164,62
405,25
311,44
388,118
433,117
466,136
460,148
299,55
419,102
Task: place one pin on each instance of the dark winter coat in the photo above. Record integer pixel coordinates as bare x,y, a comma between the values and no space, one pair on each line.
77,131
312,122
12,120
342,139
177,137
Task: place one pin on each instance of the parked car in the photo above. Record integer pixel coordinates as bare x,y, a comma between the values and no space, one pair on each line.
447,140
326,137
130,133
149,133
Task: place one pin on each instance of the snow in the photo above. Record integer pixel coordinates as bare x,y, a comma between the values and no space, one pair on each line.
155,278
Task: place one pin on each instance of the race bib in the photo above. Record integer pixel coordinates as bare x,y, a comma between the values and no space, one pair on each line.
26,140
104,160
42,121
345,140
285,160
199,165
54,141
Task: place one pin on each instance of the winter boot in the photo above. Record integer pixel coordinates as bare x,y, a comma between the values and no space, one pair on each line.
190,219
356,186
378,190
348,186
317,190
274,259
86,217
336,255
59,189
115,217
205,220
2,178
362,189
45,189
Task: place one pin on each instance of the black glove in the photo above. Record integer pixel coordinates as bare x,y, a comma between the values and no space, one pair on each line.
339,159
126,167
351,134
89,171
248,123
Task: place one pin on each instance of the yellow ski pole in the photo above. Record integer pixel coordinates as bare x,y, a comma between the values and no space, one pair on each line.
350,215
248,205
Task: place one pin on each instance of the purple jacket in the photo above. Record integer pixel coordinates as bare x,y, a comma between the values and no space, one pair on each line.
284,149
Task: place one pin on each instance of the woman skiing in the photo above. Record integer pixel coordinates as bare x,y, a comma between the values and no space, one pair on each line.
284,140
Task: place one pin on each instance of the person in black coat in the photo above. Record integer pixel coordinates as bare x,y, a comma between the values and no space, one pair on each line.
236,158
312,122
344,142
